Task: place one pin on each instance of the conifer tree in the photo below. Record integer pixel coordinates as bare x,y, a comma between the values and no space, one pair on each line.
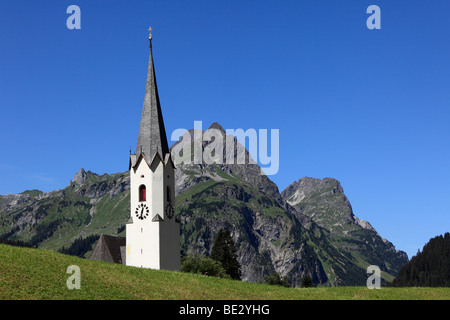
430,267
307,282
224,251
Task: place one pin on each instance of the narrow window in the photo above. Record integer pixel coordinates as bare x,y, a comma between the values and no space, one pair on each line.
168,194
142,193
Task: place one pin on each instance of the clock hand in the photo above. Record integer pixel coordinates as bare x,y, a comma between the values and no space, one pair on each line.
142,211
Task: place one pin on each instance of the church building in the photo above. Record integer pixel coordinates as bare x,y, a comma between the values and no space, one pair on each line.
153,232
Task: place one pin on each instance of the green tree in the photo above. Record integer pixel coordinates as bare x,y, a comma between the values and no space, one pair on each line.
307,282
224,251
429,267
203,265
276,279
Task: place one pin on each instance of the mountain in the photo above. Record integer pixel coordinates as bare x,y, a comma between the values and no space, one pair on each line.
324,202
237,196
309,228
429,268
90,204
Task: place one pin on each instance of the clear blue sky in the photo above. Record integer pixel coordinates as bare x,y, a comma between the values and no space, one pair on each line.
370,108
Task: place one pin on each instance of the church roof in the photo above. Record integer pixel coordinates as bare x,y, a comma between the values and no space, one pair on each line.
109,249
152,137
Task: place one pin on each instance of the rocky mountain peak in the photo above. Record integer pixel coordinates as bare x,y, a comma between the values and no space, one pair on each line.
217,126
298,190
80,177
229,157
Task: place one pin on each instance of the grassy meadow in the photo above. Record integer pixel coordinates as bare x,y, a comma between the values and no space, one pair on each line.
38,274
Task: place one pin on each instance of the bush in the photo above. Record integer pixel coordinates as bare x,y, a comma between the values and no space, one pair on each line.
307,282
203,265
276,279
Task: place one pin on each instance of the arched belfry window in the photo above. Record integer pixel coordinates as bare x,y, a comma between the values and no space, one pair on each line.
142,193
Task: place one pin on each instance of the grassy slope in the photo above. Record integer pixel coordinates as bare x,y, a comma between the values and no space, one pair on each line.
41,274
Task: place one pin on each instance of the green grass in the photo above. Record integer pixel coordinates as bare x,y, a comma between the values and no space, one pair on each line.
41,274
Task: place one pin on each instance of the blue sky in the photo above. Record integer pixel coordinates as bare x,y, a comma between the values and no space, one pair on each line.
370,108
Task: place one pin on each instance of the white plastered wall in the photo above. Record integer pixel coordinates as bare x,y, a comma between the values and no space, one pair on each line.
153,244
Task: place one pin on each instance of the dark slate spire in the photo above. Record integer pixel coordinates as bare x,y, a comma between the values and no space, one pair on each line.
152,134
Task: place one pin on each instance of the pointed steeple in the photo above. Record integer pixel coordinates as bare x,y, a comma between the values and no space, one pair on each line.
152,134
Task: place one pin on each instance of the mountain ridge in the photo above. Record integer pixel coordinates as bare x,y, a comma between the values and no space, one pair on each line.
271,234
297,193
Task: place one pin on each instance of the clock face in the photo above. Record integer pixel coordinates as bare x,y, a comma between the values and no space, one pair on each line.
142,211
169,210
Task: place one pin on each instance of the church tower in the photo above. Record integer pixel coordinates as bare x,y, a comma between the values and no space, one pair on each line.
153,232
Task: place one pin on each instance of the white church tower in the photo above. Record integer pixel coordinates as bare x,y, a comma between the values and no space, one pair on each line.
153,232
